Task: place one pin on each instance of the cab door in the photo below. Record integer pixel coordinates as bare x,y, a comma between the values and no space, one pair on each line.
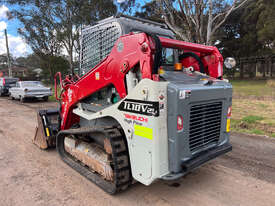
15,90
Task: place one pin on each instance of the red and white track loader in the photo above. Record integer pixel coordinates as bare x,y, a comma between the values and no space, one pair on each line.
147,107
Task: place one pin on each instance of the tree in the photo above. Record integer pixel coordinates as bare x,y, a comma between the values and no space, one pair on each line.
128,6
149,11
248,31
4,60
31,61
38,31
196,20
50,26
266,23
60,65
71,15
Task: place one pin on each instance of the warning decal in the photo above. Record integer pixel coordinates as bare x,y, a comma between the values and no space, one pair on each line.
143,131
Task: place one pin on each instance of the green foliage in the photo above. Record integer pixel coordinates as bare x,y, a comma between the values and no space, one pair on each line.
52,26
52,98
263,106
257,131
56,64
252,119
30,61
149,11
249,31
266,23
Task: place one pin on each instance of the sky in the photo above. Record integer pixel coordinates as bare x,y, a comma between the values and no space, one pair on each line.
17,46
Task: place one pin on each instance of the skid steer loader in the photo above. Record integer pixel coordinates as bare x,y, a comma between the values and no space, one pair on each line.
146,107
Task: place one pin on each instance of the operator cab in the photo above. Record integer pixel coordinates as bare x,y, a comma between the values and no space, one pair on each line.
98,40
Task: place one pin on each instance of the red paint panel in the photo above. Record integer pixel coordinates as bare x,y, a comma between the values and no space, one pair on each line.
132,49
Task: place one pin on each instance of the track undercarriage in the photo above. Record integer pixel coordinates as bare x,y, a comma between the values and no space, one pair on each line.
107,164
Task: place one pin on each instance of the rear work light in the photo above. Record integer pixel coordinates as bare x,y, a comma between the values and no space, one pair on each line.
179,123
178,67
229,111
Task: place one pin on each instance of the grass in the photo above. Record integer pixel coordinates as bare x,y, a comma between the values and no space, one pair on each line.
271,83
257,88
52,98
253,109
252,119
257,131
264,106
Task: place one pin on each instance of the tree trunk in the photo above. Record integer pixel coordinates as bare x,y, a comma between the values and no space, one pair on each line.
264,68
241,70
271,68
71,61
255,69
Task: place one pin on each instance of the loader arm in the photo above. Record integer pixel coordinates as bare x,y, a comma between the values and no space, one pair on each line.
128,51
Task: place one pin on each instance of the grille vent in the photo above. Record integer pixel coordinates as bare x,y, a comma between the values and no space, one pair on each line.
205,124
96,44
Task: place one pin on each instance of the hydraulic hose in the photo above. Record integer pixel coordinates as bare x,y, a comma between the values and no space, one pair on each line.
196,57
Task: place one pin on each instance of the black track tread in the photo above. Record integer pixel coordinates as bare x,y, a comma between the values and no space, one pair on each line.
121,163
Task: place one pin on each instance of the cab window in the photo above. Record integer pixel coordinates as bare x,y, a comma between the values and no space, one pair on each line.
168,56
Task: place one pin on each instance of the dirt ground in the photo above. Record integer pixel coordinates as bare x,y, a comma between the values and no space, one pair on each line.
29,176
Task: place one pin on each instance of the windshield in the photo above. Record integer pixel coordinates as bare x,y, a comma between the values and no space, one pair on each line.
31,84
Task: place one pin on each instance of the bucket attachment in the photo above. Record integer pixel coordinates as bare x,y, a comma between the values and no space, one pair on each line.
48,127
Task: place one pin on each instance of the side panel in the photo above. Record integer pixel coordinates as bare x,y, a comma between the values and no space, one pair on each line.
144,123
204,111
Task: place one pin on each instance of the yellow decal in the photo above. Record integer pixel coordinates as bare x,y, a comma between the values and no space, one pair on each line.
97,76
161,70
228,125
47,132
143,131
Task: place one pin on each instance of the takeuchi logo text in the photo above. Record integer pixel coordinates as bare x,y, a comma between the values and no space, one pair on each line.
136,118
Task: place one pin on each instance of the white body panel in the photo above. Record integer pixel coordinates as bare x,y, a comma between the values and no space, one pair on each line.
148,153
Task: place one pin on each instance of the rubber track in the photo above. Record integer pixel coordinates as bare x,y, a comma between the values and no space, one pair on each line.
120,157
